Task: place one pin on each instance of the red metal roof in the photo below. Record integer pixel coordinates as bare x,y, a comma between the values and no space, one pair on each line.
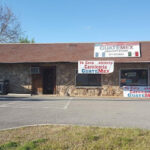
61,52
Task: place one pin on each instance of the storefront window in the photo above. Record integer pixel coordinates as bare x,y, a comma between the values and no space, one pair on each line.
88,80
134,77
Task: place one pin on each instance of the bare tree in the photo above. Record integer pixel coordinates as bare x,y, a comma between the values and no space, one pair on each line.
10,30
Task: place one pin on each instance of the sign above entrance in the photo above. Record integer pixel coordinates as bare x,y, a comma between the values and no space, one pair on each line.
117,49
95,67
136,91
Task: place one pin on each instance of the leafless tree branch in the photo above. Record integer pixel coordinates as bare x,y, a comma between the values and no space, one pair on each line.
10,30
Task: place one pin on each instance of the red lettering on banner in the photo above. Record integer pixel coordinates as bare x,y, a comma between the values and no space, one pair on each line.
147,95
89,62
81,62
100,70
103,71
96,67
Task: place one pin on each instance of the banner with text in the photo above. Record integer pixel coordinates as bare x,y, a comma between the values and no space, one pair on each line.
95,67
136,91
117,49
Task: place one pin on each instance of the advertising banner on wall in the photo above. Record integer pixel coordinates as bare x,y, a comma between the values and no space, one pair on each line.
95,67
117,49
136,91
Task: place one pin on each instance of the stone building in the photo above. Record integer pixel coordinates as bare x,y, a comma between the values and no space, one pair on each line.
53,69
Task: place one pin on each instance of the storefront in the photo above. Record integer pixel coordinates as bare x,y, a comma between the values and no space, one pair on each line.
110,69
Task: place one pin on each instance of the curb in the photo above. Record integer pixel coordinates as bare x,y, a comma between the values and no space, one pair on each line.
69,97
80,125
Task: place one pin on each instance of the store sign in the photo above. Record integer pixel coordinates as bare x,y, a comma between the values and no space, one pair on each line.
120,49
136,91
95,67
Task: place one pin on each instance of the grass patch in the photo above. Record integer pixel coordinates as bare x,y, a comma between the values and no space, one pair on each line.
31,145
74,138
9,146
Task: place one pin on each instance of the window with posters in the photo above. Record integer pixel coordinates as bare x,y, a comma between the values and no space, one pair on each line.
88,79
134,77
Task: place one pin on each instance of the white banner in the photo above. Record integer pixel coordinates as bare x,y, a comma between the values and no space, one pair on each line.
95,67
117,49
136,91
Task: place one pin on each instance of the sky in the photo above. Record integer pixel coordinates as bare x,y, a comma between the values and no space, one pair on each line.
51,21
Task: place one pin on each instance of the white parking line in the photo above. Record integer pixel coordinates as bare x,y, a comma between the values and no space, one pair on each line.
67,104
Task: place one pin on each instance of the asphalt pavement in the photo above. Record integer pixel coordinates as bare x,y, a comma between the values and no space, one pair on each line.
105,112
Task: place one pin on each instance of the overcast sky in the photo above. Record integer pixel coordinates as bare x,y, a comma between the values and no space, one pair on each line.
50,21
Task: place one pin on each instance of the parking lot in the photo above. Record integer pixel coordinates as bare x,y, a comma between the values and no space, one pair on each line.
106,112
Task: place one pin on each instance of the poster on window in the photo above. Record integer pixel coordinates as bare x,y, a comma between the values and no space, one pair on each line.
134,77
136,91
95,67
117,49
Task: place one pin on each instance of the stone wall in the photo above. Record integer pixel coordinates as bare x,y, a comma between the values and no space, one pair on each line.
65,80
110,85
20,79
110,82
18,76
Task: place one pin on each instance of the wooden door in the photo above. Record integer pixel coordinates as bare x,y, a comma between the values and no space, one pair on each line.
37,87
